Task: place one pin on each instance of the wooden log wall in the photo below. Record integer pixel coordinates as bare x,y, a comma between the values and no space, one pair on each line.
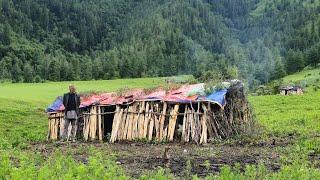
158,121
55,126
193,129
145,120
93,128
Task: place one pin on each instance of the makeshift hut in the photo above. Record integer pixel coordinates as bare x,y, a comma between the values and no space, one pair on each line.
291,90
185,114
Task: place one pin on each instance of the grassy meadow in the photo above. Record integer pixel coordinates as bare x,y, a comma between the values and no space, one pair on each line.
22,116
23,123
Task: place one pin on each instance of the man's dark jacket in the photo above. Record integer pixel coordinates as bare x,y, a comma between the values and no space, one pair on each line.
77,100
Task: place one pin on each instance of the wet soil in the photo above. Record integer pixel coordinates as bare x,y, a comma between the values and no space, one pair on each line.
138,158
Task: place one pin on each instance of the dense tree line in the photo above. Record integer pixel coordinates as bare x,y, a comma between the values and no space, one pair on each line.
257,40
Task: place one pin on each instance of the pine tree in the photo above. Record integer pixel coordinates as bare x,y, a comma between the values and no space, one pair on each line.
28,73
5,38
16,73
294,61
313,55
4,72
86,69
279,70
54,71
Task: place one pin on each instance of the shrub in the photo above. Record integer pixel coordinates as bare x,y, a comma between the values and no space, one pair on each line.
37,79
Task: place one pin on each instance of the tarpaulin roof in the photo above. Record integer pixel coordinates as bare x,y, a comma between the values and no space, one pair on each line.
57,105
184,94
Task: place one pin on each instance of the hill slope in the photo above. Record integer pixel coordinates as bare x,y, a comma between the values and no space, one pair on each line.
57,40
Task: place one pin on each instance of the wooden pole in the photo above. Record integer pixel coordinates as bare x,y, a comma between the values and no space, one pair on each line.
141,120
114,122
127,122
135,130
131,122
204,136
189,125
121,131
162,118
151,126
49,128
165,133
85,127
116,127
172,122
100,124
61,124
52,127
184,124
89,125
56,129
146,120
93,122
157,123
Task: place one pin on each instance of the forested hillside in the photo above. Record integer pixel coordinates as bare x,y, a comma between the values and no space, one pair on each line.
256,40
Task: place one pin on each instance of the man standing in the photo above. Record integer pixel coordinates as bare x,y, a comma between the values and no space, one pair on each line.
71,102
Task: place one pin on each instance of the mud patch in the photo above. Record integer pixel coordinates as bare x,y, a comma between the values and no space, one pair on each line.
201,160
140,158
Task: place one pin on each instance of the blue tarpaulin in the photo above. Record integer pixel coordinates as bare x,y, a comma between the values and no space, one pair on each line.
56,105
217,97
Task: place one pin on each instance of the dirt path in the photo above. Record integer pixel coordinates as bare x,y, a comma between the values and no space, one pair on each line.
138,158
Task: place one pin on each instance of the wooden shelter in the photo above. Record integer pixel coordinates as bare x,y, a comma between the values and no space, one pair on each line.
291,90
160,120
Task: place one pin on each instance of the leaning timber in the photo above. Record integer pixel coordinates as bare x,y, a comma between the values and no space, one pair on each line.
160,120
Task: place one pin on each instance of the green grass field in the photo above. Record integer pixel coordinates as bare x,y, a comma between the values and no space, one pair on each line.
23,122
46,92
309,78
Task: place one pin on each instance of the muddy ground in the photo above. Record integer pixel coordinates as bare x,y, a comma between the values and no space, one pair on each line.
139,158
